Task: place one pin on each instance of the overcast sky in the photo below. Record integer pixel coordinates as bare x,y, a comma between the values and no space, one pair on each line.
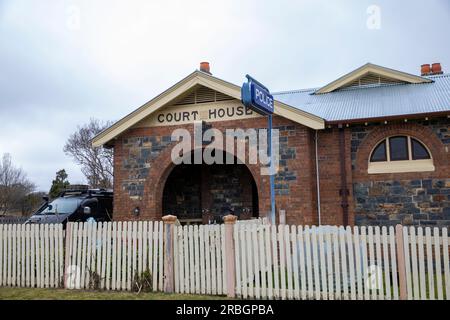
63,62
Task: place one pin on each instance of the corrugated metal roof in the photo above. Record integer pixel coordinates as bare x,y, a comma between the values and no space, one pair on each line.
374,101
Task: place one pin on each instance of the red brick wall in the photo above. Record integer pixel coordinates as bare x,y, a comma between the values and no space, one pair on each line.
330,177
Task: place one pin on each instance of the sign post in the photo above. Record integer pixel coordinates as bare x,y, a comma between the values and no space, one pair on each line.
257,97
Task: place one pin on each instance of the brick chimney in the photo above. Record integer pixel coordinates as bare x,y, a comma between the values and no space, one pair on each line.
204,67
436,68
427,70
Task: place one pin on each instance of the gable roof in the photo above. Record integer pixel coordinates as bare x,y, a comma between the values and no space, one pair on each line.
185,85
389,76
354,104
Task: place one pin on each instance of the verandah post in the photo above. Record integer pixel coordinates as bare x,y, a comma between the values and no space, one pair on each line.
401,266
230,221
169,224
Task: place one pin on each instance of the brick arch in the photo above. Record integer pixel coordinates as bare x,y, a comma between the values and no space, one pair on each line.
163,166
420,132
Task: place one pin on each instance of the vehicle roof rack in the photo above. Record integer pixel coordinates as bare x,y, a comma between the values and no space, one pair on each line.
81,189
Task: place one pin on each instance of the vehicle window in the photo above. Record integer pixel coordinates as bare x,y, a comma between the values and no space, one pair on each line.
61,206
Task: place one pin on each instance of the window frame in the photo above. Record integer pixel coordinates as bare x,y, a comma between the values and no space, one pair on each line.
400,166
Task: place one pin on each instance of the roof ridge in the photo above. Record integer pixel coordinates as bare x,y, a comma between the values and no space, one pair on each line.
294,91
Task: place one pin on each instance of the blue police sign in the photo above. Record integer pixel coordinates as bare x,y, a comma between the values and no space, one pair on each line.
256,96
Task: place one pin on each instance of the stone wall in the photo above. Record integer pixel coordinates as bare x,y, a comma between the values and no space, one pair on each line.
422,202
413,198
139,152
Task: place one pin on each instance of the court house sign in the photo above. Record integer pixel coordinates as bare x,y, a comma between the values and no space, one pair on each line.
210,112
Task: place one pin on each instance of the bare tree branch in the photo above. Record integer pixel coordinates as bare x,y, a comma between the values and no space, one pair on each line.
14,185
96,163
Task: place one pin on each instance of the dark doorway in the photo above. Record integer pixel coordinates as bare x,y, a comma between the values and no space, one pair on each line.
205,193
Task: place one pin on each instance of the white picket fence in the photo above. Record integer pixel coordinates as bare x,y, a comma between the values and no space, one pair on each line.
199,259
269,262
31,255
295,262
114,253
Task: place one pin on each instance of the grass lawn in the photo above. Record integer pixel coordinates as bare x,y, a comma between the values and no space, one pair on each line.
63,294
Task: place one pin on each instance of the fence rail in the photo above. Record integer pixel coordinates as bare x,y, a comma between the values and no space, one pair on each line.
250,260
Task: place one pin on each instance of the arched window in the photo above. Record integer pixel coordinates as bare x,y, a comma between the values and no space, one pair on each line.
400,154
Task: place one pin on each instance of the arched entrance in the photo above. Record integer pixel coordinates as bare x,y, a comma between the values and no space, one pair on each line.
201,193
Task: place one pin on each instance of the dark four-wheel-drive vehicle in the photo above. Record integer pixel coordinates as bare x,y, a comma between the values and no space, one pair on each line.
76,205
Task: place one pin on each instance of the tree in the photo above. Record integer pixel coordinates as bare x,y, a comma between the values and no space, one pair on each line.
32,202
96,163
14,185
59,184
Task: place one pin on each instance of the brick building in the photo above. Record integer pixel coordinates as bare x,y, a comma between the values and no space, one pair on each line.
370,148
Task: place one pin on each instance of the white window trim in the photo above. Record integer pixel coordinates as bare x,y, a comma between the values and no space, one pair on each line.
422,165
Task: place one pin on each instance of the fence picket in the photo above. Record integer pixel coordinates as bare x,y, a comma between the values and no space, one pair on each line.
237,260
114,257
22,260
372,265
379,277
288,254
266,229
32,256
134,252
315,264
223,258
386,272
392,246
351,263
437,258
358,262
139,249
414,267
191,260
343,263
281,230
445,249
155,255
47,256
302,266
124,253
323,264
181,259
295,262
429,255
218,258
196,260
51,237
244,262
275,262
14,254
208,259
309,273
248,282
365,264
407,263
151,248
160,256
262,260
